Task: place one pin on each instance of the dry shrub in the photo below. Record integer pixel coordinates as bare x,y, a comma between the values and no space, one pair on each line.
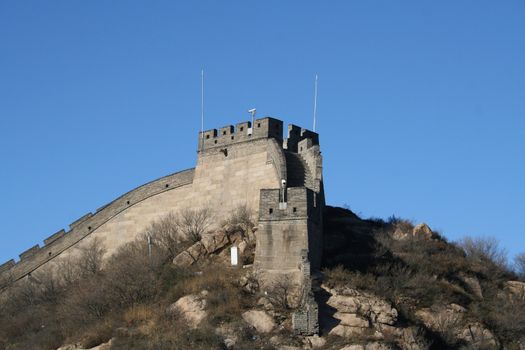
282,292
485,252
446,325
91,257
97,333
225,298
166,235
139,314
133,275
503,314
519,265
339,277
193,223
242,216
175,231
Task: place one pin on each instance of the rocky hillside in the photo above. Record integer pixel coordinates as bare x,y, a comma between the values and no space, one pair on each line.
384,285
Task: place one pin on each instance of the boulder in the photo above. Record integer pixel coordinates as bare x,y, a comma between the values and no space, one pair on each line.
353,347
352,313
229,343
229,333
478,336
104,346
362,305
260,320
440,318
215,241
184,259
70,347
352,320
315,341
423,231
369,346
378,346
191,307
196,251
242,247
516,289
347,331
399,234
450,321
472,284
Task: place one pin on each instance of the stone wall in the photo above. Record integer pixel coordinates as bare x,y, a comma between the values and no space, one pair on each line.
61,241
236,166
228,175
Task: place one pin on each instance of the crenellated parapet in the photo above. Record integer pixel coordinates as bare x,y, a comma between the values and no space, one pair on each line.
297,134
57,243
263,128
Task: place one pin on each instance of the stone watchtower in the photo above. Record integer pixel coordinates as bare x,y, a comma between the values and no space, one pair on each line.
289,236
289,239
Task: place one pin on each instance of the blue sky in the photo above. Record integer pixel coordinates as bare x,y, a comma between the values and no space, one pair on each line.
421,106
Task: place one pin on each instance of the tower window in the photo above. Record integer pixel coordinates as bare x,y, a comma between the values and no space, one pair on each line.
270,211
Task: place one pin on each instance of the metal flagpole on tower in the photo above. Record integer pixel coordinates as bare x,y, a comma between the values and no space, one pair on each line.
202,108
315,101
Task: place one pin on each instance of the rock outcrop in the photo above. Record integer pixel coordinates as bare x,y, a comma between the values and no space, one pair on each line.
452,324
214,243
192,307
260,320
353,313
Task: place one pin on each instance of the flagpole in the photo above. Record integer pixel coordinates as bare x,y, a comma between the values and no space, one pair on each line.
202,108
315,101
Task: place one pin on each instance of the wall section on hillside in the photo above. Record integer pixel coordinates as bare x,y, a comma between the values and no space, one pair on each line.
221,181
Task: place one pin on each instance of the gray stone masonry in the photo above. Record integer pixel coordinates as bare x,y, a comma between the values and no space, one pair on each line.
57,243
241,165
263,128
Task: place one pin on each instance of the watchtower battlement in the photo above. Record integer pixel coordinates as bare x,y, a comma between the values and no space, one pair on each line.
298,139
262,128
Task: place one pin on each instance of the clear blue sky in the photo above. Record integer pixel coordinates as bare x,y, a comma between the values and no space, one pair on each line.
421,103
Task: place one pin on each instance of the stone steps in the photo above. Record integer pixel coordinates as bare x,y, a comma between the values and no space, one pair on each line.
297,170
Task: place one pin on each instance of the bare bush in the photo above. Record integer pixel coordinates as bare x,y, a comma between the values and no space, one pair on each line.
280,292
193,223
166,235
91,257
133,274
519,265
242,216
485,250
447,325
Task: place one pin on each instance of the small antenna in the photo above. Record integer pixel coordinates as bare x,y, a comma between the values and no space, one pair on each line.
315,101
252,113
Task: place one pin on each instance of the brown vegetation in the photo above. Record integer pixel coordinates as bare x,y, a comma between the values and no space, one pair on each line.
414,273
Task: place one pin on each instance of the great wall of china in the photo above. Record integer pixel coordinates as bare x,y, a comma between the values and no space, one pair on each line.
279,178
